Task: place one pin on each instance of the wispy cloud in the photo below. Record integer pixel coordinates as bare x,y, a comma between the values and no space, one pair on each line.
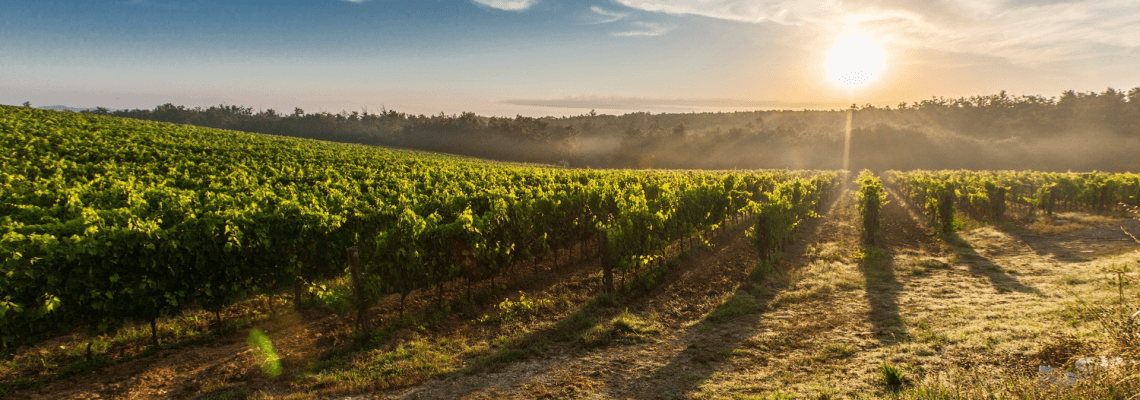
1019,30
739,10
604,16
509,5
644,29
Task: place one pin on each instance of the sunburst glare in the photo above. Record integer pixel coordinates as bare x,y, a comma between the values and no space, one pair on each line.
855,61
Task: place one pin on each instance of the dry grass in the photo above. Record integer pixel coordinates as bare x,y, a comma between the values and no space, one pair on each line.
970,317
987,303
824,323
1067,222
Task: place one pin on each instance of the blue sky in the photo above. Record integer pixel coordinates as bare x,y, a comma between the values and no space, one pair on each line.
548,57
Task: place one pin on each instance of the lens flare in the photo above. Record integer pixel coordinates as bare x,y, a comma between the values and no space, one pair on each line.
264,352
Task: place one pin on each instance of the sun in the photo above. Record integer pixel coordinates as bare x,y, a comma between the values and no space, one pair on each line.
855,61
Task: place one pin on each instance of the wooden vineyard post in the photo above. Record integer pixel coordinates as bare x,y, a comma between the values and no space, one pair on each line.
607,264
1052,200
946,211
762,237
297,284
1102,202
998,205
1033,197
154,331
362,324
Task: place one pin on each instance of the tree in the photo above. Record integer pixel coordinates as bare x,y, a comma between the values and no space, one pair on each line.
28,104
679,131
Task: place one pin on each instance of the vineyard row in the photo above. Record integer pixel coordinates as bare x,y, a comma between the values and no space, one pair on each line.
987,195
106,220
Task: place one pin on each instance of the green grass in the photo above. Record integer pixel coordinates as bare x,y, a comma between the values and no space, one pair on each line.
762,270
625,328
406,364
735,306
891,377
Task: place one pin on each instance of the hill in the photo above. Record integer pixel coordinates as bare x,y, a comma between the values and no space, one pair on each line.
106,221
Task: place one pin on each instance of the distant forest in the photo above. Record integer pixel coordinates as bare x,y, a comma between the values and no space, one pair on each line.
1076,131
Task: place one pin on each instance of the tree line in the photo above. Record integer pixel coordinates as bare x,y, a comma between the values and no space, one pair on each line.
1077,130
522,139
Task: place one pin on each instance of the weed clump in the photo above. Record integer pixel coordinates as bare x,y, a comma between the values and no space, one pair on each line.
763,270
625,328
892,377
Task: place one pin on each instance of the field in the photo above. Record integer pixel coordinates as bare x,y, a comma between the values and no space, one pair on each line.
731,284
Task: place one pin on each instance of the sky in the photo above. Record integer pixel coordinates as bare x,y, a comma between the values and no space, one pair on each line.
552,57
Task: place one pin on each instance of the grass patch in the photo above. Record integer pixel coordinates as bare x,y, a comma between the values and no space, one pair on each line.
408,364
870,253
925,333
515,310
1066,222
834,351
1117,383
924,267
827,252
510,348
760,291
891,377
762,271
810,293
834,276
571,327
1075,280
626,328
422,357
735,306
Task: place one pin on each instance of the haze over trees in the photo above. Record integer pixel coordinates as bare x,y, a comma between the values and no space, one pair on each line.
1076,131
